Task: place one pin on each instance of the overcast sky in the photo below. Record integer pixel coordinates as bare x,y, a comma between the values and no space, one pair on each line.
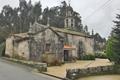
96,17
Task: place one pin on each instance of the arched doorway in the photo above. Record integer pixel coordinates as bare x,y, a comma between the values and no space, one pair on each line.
68,52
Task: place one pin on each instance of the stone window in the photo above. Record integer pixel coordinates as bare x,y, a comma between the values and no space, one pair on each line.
67,22
47,47
69,13
71,22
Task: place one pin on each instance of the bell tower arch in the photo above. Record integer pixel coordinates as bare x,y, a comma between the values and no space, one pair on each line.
69,21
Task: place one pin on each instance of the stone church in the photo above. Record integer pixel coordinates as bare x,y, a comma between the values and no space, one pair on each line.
64,43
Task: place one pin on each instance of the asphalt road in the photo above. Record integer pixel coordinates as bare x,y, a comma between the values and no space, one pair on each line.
12,71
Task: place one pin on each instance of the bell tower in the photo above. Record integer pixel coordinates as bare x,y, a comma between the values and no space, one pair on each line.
69,21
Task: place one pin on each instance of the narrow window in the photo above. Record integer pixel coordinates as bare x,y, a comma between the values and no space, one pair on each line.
71,22
66,22
47,47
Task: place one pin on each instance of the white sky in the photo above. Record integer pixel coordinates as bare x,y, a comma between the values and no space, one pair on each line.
101,21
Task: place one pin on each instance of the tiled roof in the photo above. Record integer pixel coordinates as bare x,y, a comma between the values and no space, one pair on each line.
54,29
69,47
21,35
67,31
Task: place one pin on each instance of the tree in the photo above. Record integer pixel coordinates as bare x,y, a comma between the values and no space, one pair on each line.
45,15
78,22
113,44
6,22
109,48
37,10
23,18
14,20
99,42
86,29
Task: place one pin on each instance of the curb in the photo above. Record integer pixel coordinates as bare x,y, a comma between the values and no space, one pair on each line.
55,76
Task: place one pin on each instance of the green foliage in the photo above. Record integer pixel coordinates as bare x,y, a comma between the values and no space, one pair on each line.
109,48
37,10
87,57
17,20
101,55
113,44
2,49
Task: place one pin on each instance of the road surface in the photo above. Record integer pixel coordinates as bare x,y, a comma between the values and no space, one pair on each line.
12,71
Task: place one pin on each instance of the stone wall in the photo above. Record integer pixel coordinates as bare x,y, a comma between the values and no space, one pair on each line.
9,47
74,40
40,42
77,73
22,49
17,49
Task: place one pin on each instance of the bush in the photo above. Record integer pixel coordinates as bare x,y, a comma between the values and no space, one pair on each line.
2,49
87,57
100,55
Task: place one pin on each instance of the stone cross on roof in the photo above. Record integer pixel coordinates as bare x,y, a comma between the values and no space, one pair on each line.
48,21
69,1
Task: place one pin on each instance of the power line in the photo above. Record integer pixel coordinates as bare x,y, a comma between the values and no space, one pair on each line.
102,6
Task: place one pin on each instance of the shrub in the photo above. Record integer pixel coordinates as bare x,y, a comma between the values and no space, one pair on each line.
100,55
2,49
87,57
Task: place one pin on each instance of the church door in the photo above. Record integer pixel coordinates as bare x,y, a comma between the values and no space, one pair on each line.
66,55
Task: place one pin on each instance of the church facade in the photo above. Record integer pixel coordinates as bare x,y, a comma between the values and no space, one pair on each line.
64,43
